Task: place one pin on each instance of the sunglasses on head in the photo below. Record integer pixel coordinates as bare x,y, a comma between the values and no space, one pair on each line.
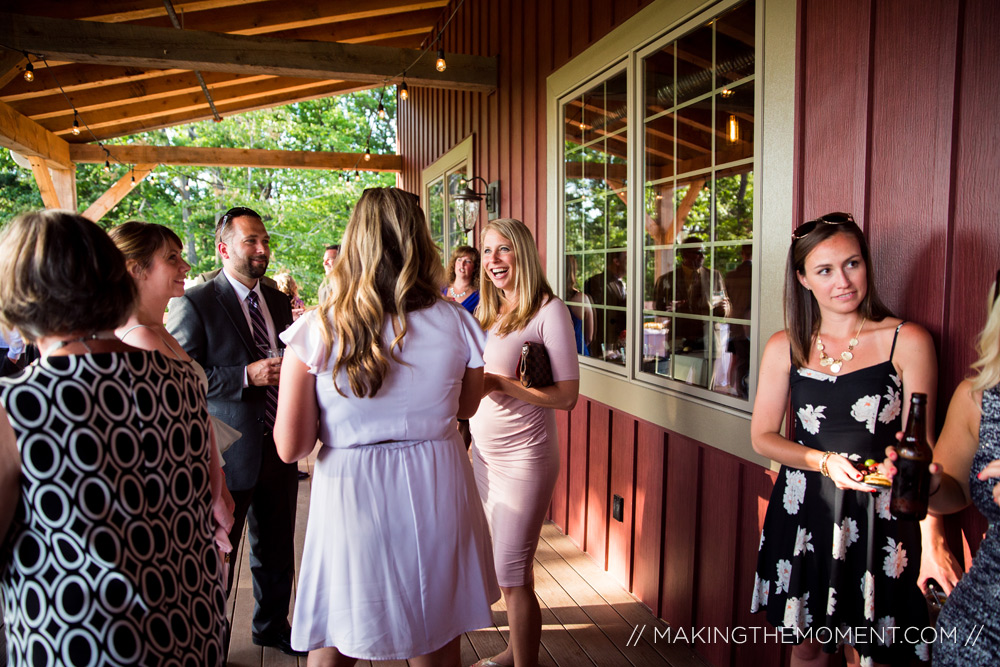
806,228
233,213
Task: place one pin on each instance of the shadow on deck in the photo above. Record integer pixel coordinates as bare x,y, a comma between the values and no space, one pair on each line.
587,618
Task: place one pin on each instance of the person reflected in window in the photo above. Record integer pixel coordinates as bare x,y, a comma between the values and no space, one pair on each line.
738,282
608,289
580,309
691,289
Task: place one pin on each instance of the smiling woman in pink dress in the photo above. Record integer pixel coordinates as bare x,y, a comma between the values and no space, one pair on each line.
515,453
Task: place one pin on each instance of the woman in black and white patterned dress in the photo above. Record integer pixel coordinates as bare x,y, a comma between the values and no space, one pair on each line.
835,569
106,522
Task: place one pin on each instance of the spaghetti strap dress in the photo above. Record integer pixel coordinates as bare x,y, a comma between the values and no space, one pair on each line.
967,632
834,566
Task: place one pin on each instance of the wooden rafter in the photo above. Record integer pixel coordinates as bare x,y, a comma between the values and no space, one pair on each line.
46,187
129,125
232,98
31,140
140,46
118,191
236,157
290,17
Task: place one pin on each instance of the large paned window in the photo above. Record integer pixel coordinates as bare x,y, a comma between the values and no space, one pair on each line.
596,221
659,280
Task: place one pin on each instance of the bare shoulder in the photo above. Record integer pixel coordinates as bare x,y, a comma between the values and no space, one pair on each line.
140,336
778,344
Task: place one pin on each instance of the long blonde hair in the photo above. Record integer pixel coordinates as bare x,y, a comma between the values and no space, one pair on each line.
529,280
988,347
388,265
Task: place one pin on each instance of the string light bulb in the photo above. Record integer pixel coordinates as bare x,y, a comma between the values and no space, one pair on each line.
107,166
404,92
381,111
29,72
76,124
734,129
368,154
133,178
441,65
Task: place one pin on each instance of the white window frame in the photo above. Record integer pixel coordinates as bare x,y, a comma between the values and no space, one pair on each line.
457,159
714,419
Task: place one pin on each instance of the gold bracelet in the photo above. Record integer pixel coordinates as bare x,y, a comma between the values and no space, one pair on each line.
822,464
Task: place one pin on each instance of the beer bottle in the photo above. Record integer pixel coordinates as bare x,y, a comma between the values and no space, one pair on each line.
911,485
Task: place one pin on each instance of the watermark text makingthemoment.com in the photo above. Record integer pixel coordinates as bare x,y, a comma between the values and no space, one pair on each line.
883,635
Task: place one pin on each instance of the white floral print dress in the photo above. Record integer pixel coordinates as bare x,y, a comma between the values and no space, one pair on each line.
836,562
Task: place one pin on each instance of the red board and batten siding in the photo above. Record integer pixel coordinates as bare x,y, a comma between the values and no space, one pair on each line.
895,107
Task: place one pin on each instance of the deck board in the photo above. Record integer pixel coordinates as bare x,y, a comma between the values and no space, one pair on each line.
587,618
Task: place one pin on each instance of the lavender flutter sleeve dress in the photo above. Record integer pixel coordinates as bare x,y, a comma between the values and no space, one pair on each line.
397,559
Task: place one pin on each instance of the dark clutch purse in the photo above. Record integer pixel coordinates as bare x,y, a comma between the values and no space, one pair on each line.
534,368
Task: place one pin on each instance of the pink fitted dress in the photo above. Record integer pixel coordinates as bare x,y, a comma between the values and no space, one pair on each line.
515,454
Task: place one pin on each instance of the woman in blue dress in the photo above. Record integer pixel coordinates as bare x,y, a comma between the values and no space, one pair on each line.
463,278
834,568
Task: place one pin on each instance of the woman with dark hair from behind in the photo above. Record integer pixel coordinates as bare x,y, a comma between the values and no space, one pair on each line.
396,563
515,450
105,488
831,556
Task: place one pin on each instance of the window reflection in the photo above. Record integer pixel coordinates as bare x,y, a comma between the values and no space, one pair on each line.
698,228
596,216
696,219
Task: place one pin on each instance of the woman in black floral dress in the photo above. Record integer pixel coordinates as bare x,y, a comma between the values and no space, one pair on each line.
835,568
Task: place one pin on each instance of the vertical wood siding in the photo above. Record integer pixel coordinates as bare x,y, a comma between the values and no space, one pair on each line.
896,124
895,107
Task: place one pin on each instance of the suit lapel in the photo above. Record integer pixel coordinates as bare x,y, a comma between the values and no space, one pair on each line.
230,304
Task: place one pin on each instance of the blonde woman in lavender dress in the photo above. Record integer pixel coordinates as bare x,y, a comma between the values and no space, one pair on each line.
397,561
515,453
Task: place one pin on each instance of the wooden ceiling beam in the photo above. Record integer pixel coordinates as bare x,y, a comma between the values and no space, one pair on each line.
264,18
75,77
365,30
46,188
138,46
121,11
118,191
11,66
131,126
32,140
104,97
231,99
236,157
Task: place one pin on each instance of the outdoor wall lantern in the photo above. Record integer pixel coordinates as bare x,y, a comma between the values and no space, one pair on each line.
467,202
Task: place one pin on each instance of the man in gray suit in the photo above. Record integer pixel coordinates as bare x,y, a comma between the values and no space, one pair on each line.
230,325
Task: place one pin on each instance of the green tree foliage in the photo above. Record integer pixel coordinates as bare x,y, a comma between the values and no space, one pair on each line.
304,210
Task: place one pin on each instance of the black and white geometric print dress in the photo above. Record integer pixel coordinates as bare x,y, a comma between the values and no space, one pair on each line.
835,561
967,627
110,558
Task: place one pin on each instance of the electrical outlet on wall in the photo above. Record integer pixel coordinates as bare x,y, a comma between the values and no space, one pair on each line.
618,508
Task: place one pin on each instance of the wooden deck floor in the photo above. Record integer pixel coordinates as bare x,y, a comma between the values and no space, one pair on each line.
587,619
